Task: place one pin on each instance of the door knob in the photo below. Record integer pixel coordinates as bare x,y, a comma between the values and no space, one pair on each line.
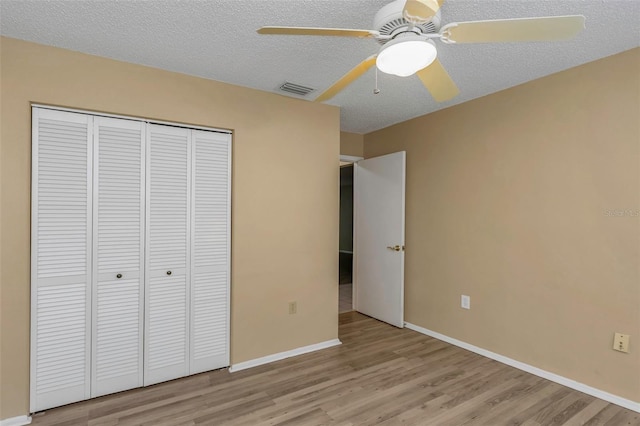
168,272
119,276
394,248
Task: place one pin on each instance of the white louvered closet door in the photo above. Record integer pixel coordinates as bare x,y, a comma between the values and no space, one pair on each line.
60,263
118,255
167,246
210,251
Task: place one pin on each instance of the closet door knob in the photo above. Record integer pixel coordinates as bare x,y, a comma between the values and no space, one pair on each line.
168,272
119,276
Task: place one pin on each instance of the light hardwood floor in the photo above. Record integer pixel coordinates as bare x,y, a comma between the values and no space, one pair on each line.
345,303
379,375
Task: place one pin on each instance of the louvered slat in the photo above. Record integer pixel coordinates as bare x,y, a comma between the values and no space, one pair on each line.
210,251
166,311
60,274
118,303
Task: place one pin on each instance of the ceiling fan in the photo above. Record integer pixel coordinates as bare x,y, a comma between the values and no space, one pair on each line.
406,30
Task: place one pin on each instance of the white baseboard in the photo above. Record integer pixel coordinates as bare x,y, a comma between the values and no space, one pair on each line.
623,402
16,421
282,355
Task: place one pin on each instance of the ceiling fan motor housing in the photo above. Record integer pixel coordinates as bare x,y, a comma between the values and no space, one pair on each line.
390,21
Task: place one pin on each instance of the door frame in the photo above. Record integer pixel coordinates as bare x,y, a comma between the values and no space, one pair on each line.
350,158
353,160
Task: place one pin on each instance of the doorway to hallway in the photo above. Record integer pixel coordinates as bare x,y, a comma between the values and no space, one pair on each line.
346,239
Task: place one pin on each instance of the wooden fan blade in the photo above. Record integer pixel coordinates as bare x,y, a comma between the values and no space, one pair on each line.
421,10
340,32
347,79
525,29
438,82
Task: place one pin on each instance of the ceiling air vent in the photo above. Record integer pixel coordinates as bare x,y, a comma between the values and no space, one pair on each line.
296,89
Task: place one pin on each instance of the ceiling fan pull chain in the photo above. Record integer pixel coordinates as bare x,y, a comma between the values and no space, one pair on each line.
375,89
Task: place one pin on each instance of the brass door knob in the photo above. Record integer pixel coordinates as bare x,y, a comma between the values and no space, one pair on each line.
394,248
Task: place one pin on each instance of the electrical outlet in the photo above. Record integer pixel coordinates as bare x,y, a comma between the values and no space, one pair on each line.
293,308
621,342
465,301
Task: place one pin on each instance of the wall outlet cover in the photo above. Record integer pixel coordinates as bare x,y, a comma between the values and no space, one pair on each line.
621,342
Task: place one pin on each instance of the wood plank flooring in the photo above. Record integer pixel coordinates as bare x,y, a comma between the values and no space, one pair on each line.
345,296
379,375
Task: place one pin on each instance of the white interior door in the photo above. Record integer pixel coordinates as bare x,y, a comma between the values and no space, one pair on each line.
60,258
118,255
210,251
167,272
379,196
130,254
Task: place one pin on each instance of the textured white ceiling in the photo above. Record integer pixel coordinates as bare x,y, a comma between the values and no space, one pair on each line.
217,39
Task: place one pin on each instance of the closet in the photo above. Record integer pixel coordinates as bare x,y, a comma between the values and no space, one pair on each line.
130,254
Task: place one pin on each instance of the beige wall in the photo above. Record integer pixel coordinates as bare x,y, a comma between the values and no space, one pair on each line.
351,144
506,202
284,247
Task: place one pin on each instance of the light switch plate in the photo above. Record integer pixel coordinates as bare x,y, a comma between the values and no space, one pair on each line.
465,301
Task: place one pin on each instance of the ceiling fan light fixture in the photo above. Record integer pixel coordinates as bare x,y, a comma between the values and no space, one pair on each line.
406,56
